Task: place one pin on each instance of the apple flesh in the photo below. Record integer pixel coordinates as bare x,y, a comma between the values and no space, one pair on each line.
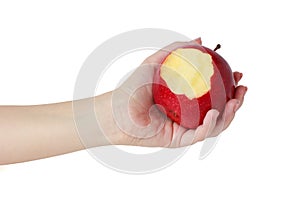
191,81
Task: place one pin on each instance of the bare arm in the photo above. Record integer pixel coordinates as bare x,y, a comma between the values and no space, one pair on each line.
35,132
40,131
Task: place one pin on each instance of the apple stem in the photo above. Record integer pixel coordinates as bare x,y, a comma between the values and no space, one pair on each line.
217,47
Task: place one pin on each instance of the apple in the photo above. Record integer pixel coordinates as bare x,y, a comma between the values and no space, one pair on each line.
190,81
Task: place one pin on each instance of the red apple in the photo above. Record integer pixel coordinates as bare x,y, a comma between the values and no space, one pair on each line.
191,81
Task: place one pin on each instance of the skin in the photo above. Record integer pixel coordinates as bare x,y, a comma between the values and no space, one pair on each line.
41,131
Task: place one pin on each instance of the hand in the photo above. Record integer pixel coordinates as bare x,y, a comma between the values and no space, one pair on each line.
142,124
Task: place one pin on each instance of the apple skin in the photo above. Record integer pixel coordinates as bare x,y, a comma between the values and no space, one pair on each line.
190,113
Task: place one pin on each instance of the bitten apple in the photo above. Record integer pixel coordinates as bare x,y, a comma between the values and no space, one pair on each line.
191,81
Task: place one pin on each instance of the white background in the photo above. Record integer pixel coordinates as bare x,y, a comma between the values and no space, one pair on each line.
43,45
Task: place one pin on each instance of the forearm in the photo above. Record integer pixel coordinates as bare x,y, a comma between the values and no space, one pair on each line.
34,132
40,131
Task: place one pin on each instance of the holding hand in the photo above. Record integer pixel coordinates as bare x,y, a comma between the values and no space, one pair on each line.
141,122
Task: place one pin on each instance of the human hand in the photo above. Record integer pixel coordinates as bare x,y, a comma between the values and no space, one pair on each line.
142,124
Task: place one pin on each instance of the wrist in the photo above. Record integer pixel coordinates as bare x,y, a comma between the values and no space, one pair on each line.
108,126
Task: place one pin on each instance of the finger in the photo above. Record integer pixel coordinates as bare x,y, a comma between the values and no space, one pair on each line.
230,110
237,77
178,132
240,92
227,117
189,137
208,126
198,40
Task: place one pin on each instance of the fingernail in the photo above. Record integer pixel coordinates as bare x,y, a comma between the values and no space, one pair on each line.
236,107
198,40
241,75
